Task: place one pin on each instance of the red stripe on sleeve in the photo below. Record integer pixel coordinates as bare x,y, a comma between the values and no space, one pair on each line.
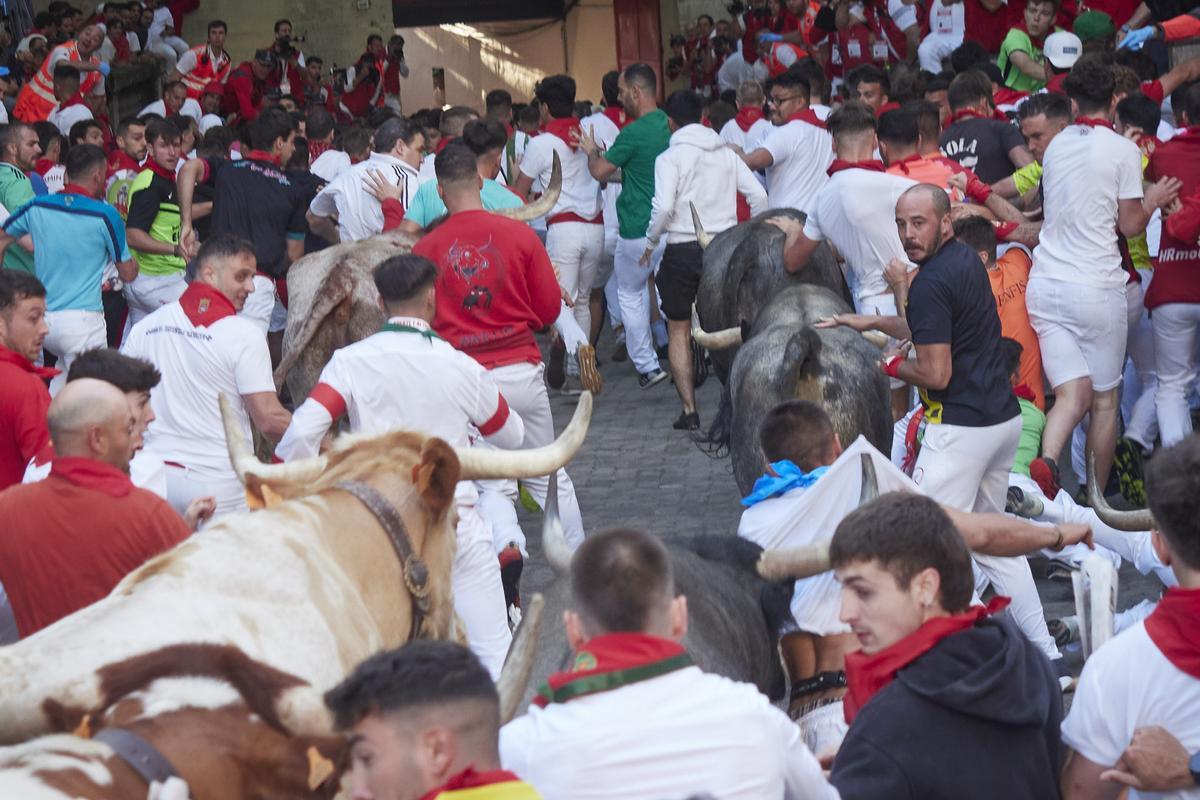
498,419
327,396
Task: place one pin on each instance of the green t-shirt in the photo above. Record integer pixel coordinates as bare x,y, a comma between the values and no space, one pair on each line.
1033,422
427,205
15,191
634,151
1018,40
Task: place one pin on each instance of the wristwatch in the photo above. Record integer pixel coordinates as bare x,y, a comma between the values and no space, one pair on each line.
1194,768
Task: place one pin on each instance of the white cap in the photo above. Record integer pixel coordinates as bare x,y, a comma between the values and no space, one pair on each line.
1062,49
24,45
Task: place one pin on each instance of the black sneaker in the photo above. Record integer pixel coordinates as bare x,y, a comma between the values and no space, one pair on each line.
688,421
1023,505
556,369
652,378
1130,468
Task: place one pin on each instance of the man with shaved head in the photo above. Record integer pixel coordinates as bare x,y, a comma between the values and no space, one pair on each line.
68,540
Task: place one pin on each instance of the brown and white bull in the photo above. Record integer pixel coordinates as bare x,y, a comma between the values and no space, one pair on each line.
309,586
332,300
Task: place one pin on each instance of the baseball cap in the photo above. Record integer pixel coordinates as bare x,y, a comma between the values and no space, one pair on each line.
27,43
1063,49
265,57
1094,25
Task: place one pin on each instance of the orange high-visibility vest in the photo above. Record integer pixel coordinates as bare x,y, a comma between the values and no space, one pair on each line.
36,99
207,70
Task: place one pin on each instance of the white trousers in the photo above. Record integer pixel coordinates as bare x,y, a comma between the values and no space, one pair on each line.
1140,386
72,333
935,47
634,301
1175,326
1011,577
525,390
184,485
966,467
576,249
260,305
478,594
170,48
148,293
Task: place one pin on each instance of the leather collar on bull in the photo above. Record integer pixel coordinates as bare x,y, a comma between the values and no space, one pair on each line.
416,573
143,757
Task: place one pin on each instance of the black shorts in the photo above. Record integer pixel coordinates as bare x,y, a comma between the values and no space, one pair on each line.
678,279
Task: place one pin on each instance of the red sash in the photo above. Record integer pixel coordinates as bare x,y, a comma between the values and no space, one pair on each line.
1174,627
867,675
610,662
203,305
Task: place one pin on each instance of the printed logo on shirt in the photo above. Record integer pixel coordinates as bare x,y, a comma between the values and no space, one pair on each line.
470,263
962,151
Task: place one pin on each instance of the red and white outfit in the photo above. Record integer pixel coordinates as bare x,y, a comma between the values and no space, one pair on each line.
495,287
203,349
575,226
359,214
190,108
747,129
707,735
856,212
1146,675
64,115
36,100
408,378
947,26
199,67
1076,292
801,152
605,126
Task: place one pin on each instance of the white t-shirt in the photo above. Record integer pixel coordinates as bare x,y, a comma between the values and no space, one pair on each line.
162,19
1087,170
605,132
805,516
904,14
64,118
802,153
580,191
684,733
749,140
208,122
1127,684
229,357
330,164
856,211
55,179
359,214
734,72
190,108
950,20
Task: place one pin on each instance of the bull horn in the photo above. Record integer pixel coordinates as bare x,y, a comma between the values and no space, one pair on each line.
870,481
702,236
877,338
554,543
542,206
1140,520
793,563
477,463
245,463
719,340
518,664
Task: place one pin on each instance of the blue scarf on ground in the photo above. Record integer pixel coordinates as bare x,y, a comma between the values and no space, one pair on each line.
787,477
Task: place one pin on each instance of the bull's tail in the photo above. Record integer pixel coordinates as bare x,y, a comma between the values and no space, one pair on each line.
715,441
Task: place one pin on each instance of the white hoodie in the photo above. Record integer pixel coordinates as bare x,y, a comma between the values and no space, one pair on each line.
698,168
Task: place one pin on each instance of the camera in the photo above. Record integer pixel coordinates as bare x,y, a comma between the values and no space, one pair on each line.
735,8
396,48
678,40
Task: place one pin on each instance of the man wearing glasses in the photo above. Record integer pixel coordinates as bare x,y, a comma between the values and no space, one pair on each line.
797,152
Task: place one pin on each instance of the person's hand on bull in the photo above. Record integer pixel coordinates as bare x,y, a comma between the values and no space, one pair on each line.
199,511
791,227
1154,761
858,322
378,187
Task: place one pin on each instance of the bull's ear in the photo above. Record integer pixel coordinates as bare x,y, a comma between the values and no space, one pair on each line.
259,494
436,475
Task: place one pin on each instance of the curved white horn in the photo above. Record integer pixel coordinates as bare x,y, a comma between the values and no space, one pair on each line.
793,563
703,237
540,207
554,542
477,463
244,462
870,481
877,338
518,664
718,340
1140,520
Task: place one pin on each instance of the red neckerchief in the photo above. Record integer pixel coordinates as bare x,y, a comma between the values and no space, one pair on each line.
806,115
120,160
43,165
1094,122
964,113
907,160
160,170
442,142
1055,84
838,165
886,107
747,116
1007,97
203,305
75,100
1173,629
16,359
470,779
1024,392
262,155
92,474
316,149
617,115
1147,143
611,661
867,675
74,188
563,128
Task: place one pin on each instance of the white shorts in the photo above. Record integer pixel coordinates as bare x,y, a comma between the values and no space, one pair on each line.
1081,331
72,332
885,306
824,728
